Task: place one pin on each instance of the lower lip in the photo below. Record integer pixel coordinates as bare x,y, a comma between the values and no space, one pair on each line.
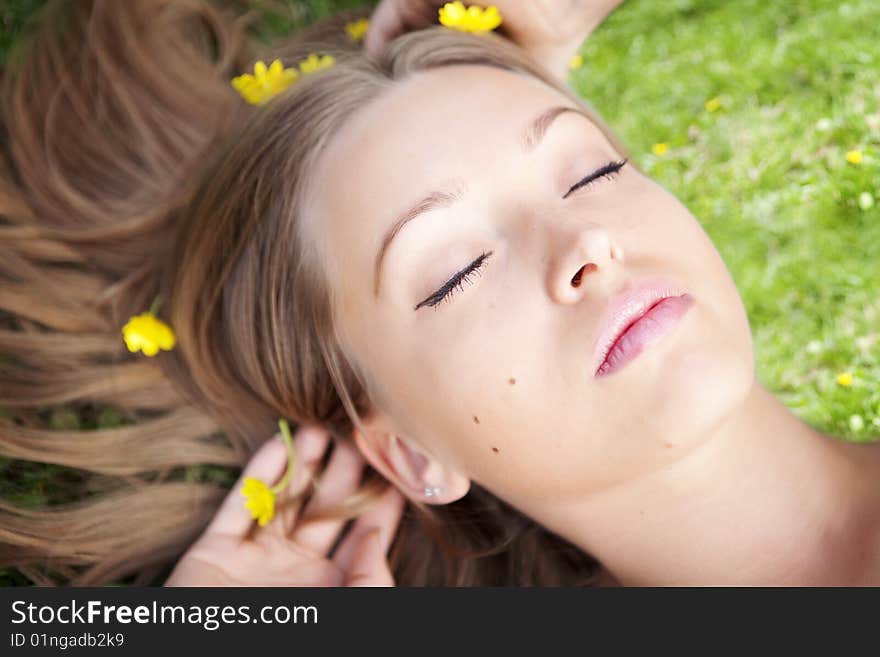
649,328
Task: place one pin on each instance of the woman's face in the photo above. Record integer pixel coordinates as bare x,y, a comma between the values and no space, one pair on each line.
498,380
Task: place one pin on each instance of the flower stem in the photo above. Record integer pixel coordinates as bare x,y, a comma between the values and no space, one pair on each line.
285,435
156,303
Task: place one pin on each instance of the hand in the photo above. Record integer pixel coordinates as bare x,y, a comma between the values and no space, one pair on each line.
551,30
227,555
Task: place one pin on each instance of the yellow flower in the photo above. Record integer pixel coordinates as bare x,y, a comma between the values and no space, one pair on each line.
265,83
260,500
147,333
314,63
854,157
713,104
471,19
660,149
845,379
576,61
357,29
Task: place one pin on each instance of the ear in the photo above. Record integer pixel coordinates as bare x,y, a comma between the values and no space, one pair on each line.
417,474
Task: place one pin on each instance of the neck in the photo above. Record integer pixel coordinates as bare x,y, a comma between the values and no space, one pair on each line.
766,500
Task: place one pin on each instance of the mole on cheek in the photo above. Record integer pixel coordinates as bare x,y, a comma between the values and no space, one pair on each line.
495,449
476,420
511,381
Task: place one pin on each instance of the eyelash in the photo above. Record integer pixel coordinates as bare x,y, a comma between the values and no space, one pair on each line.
608,171
446,291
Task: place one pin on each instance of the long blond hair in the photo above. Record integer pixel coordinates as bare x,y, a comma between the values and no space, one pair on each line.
132,169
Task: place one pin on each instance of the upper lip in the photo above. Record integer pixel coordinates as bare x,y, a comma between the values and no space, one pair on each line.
626,308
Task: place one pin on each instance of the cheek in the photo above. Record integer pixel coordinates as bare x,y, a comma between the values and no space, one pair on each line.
474,390
514,420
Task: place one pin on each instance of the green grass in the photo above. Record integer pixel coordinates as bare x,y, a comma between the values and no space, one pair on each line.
15,17
766,174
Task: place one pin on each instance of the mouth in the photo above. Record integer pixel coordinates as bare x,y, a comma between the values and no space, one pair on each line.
635,320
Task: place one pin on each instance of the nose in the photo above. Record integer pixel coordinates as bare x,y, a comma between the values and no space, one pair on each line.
586,250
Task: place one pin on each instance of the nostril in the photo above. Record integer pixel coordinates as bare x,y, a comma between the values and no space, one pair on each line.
576,279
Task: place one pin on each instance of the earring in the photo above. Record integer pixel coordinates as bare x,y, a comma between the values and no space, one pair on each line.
432,491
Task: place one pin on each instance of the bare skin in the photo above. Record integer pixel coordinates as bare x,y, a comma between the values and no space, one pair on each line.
233,551
767,501
682,450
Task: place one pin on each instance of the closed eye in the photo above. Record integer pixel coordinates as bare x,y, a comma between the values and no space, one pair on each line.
448,288
606,171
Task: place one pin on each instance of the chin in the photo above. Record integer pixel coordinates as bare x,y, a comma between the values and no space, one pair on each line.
698,378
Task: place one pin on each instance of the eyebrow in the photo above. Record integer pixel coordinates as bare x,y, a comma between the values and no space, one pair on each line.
529,140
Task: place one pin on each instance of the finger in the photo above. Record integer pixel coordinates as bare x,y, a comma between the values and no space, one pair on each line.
369,566
267,464
385,24
339,480
309,445
395,17
384,515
